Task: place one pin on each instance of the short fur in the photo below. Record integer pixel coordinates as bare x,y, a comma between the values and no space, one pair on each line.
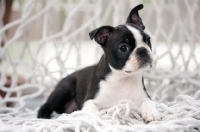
117,76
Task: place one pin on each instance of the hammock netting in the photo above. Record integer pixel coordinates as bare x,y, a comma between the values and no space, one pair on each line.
45,40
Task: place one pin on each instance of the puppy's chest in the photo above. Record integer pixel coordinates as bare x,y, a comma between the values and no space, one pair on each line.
111,92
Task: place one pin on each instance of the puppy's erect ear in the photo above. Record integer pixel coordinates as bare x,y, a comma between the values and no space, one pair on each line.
101,34
135,18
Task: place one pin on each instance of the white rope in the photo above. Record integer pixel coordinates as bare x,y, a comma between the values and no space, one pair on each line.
180,115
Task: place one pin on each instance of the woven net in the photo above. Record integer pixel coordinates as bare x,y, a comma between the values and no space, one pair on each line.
45,40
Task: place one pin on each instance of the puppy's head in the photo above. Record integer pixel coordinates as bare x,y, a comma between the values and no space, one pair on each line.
127,47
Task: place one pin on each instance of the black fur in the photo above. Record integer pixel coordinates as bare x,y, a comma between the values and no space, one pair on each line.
135,18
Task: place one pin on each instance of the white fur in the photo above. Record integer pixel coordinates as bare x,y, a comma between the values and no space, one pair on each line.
149,112
90,106
117,86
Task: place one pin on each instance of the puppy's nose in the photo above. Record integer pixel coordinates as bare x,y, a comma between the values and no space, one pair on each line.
141,51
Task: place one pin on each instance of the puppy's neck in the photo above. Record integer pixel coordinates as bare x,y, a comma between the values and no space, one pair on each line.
119,75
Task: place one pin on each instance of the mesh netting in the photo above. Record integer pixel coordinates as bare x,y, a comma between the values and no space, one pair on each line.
46,40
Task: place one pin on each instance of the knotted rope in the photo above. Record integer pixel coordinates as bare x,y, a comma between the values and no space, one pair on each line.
183,114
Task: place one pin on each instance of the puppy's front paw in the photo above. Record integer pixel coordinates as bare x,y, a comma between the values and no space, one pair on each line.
90,107
149,112
96,113
92,111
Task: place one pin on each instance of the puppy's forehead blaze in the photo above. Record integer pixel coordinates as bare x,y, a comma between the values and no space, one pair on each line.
136,33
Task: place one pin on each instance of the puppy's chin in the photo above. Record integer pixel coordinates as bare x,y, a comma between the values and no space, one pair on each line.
142,66
145,65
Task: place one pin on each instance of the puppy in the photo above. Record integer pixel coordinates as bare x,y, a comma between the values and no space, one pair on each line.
117,76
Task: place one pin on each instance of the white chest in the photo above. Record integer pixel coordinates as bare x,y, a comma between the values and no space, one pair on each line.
112,91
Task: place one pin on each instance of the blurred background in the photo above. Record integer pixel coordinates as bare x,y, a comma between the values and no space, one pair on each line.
42,41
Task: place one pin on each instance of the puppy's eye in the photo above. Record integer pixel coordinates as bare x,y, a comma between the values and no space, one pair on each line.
123,48
148,41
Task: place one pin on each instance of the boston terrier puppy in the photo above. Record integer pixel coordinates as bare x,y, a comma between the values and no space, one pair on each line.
117,76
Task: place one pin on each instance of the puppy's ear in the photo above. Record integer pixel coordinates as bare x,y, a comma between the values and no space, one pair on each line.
101,34
135,18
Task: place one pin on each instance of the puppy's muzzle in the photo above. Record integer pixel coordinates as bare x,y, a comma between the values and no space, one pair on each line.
143,57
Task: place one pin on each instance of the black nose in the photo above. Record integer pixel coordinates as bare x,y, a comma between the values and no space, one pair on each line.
141,51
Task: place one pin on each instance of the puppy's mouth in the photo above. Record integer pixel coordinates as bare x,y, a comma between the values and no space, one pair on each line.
145,62
128,71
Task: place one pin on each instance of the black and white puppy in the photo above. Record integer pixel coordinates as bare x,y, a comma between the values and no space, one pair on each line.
117,76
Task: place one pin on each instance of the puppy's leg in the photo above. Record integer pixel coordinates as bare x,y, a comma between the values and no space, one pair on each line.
90,106
149,111
63,93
